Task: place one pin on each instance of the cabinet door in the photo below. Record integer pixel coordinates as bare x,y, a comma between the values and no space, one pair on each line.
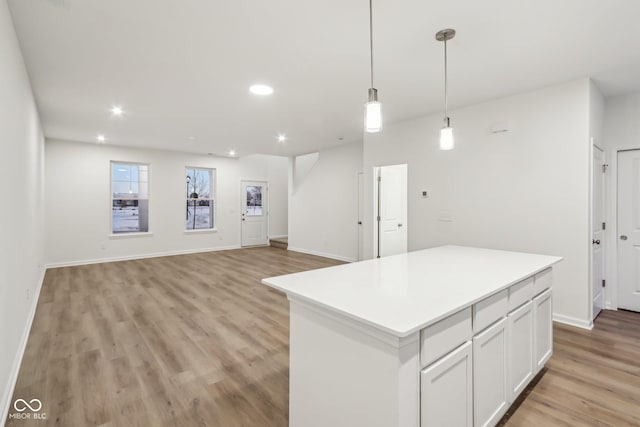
490,374
542,329
446,390
520,349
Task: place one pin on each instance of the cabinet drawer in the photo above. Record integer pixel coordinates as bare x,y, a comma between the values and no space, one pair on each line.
489,310
542,281
444,336
520,293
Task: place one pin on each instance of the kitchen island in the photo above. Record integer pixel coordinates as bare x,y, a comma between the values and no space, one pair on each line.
440,337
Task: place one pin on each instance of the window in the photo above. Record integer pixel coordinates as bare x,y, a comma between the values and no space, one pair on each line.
254,200
129,198
200,191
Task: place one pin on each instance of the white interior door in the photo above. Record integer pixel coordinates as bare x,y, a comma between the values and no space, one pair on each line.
392,210
254,213
360,216
597,234
629,230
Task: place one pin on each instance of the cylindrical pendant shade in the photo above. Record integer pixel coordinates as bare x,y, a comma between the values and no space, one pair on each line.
373,116
446,138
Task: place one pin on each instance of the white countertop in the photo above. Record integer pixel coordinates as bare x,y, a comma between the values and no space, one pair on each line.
402,294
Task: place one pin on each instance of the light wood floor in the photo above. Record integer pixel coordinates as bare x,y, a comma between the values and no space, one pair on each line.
592,379
188,340
196,340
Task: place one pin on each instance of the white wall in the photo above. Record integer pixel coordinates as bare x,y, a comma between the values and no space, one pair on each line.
78,201
621,132
21,215
323,203
525,190
277,174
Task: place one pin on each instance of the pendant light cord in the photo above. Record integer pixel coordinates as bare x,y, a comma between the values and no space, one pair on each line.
445,81
371,37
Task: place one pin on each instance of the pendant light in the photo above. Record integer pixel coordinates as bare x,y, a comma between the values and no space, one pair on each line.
373,108
447,141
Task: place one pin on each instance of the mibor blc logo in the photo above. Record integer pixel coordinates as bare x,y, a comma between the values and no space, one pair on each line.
27,410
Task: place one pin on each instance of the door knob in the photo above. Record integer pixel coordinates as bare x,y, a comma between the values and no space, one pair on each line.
623,237
595,242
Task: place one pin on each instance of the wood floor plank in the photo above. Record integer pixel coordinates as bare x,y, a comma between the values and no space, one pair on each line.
197,340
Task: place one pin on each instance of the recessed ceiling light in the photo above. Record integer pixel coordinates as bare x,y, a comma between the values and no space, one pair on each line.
232,153
282,138
101,138
261,89
117,111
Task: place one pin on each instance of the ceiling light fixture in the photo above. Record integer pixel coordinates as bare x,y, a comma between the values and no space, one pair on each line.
373,108
117,111
101,138
282,138
261,89
447,141
232,153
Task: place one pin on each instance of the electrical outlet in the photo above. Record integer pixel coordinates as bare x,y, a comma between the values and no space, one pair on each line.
426,194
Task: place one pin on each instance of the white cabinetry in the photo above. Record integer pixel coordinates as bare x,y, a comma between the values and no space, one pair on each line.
520,349
490,374
472,383
543,329
447,398
440,337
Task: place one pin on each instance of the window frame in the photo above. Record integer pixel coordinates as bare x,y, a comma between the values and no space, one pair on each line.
213,192
111,199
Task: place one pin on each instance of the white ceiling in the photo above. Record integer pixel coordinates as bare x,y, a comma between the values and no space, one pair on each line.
182,68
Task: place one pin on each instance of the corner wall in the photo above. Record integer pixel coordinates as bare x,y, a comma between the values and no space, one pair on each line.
21,216
526,189
323,202
78,202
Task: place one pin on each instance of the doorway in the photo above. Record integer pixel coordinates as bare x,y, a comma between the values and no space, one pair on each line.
254,211
390,207
597,231
628,229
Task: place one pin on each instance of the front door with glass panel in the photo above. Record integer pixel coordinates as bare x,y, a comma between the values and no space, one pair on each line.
254,213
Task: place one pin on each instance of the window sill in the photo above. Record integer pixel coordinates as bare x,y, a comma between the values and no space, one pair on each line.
132,235
206,230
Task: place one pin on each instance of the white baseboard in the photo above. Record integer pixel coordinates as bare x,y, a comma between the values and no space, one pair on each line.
278,237
141,256
573,321
322,254
15,369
